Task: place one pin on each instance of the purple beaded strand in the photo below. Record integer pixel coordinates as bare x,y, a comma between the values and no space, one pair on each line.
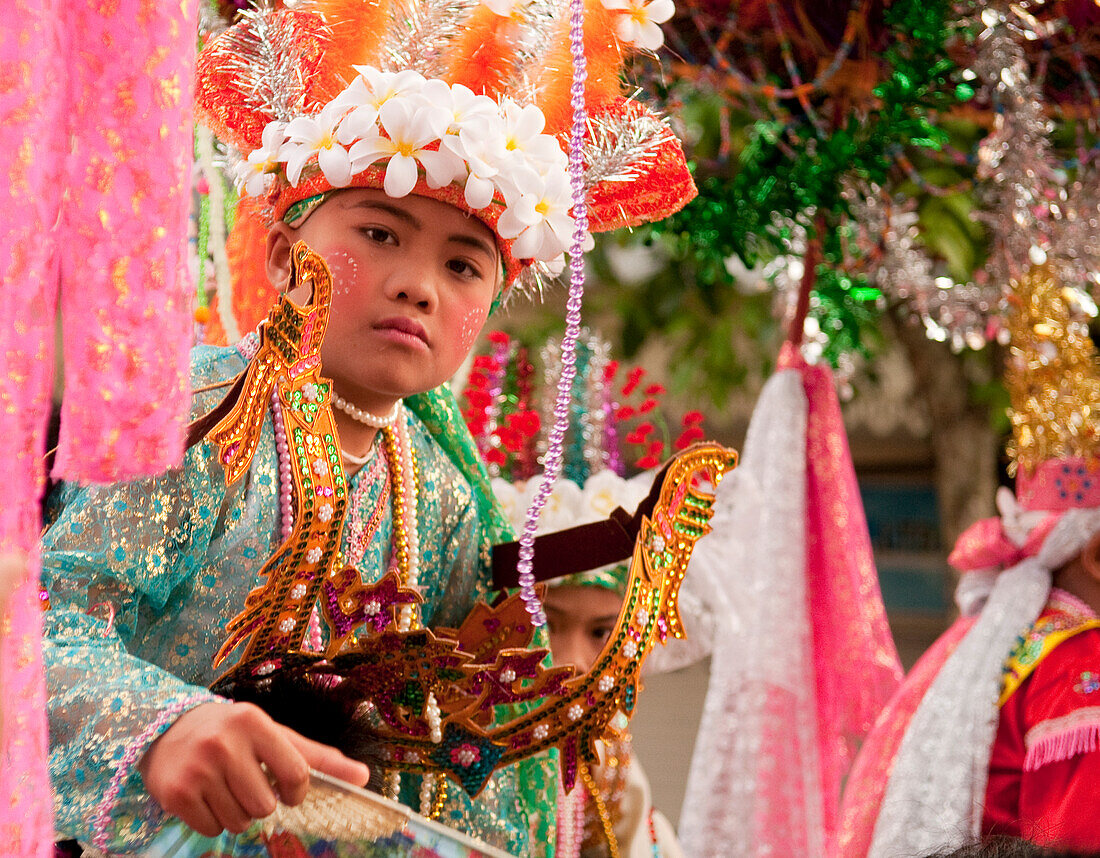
554,450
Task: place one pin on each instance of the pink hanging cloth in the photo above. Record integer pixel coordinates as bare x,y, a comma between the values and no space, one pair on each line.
95,127
856,666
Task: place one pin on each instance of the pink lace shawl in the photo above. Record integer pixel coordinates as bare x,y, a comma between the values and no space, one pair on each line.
95,103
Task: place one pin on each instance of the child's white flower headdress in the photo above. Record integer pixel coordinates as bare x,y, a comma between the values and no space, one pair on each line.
464,102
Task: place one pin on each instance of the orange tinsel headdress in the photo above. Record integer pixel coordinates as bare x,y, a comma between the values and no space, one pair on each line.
465,102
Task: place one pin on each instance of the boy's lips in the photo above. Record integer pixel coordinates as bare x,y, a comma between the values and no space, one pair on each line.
403,325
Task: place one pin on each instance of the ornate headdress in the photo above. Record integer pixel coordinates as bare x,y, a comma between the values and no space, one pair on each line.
1052,379
464,102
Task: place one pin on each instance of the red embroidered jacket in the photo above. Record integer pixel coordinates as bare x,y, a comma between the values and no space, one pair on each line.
1044,773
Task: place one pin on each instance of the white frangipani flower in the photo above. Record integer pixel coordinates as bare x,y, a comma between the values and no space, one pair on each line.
482,150
538,218
410,129
523,135
493,150
316,135
504,8
368,92
256,174
640,25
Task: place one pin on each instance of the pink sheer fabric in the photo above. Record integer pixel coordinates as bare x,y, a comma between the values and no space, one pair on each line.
867,781
803,660
856,666
95,128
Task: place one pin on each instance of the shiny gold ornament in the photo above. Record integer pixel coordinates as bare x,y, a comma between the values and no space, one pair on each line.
1052,374
288,364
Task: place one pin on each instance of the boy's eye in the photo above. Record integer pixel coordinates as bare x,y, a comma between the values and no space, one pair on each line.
464,268
601,633
379,234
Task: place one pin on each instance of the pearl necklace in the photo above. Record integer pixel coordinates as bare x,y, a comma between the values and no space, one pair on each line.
357,461
365,417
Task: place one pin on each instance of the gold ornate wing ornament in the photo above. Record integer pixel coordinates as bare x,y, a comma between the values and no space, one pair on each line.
495,700
285,377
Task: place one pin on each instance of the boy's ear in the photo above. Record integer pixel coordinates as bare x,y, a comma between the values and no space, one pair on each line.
279,241
1090,557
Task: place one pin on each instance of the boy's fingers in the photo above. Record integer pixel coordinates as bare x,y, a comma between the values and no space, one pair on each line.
285,763
327,759
226,809
251,788
198,817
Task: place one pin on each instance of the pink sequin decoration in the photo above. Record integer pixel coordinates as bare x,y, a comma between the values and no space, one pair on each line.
95,195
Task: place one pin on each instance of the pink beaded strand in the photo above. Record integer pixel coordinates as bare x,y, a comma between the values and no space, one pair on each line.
571,815
555,448
286,484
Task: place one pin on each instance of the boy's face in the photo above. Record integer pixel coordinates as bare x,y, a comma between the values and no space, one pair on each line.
413,281
580,620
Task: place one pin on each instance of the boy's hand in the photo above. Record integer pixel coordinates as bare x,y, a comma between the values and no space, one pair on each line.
206,768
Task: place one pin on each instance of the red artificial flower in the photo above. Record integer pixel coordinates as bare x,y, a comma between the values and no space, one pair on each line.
610,370
495,456
527,423
654,390
636,437
647,462
507,437
688,436
499,337
625,412
692,418
477,398
483,362
633,380
656,448
647,406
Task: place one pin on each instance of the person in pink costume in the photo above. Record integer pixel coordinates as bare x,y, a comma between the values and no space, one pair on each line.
996,730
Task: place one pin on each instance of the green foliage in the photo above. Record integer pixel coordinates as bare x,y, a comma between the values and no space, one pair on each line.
787,169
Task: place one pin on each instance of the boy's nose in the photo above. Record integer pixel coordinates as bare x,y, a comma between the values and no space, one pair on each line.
414,285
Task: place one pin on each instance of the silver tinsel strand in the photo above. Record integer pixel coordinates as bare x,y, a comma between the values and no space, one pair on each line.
267,63
618,148
420,31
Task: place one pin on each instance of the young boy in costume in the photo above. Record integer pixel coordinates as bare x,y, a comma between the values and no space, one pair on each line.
995,731
427,201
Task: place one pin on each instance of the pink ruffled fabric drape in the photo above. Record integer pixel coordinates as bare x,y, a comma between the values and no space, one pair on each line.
856,666
985,545
867,781
95,103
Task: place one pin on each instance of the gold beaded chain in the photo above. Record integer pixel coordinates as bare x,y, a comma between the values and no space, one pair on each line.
601,809
440,796
400,502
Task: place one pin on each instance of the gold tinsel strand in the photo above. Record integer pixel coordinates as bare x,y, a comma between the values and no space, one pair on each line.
1051,374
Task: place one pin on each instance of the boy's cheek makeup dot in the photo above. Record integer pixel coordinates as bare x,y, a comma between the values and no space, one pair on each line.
471,327
345,271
